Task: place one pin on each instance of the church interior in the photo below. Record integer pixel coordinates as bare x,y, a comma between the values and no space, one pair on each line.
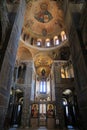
43,64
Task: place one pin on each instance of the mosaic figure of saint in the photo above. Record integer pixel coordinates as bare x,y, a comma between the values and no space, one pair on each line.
43,15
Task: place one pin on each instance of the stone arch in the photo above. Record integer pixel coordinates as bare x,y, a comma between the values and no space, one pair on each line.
23,54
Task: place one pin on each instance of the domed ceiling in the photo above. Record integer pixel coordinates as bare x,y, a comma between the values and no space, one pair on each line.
43,35
43,18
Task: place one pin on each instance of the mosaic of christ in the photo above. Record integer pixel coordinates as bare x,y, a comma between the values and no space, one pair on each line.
43,15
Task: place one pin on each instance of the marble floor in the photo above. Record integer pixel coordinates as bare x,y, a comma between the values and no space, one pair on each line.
42,128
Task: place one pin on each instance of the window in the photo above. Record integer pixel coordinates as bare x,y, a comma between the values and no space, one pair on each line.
42,108
63,35
39,41
56,40
43,87
67,72
47,42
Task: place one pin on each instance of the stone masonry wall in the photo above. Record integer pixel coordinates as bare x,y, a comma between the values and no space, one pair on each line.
8,63
80,70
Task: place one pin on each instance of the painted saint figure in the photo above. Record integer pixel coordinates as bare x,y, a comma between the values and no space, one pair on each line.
50,111
43,15
34,110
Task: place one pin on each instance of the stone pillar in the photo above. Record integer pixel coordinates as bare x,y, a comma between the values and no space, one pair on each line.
27,95
58,96
52,85
33,89
80,72
5,30
80,69
8,63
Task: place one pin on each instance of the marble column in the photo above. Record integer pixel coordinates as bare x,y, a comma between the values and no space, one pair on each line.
27,96
8,63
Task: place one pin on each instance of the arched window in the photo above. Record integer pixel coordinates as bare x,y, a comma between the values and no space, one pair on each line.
24,36
63,36
67,72
27,38
48,42
39,41
32,41
21,73
56,40
43,87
